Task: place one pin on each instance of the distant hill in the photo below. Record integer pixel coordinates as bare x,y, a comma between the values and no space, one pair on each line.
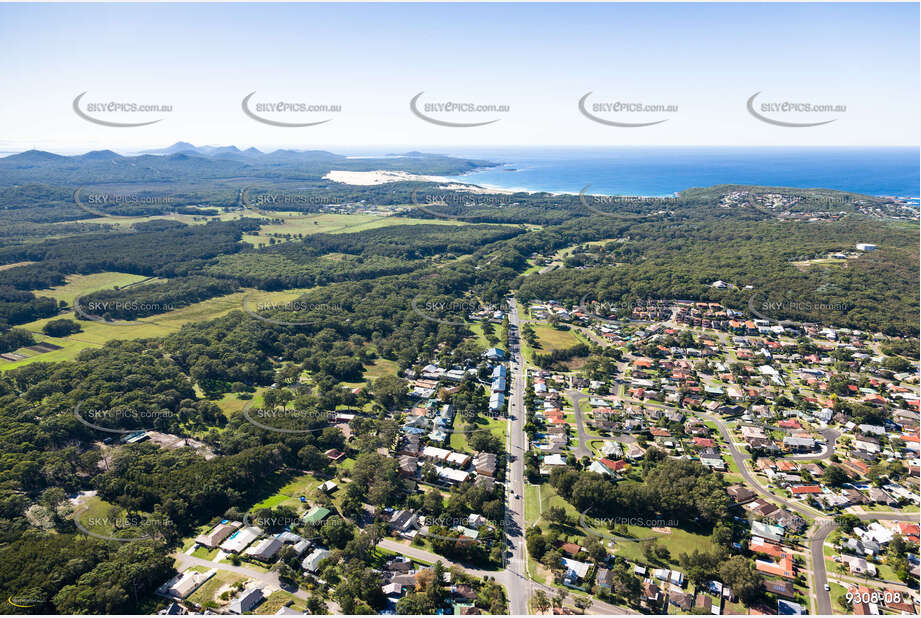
186,162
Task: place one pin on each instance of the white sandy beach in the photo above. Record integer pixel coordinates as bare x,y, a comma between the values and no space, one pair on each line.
379,177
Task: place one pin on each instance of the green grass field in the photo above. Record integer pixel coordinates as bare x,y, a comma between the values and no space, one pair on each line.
96,334
381,367
80,285
334,224
497,426
552,339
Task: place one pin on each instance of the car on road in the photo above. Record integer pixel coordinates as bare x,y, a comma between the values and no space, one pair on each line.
827,587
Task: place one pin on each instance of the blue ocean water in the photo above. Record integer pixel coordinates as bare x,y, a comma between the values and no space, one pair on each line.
662,171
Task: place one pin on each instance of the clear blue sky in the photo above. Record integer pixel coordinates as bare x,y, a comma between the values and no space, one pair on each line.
538,59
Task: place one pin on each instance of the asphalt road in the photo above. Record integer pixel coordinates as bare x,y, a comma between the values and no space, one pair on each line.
519,584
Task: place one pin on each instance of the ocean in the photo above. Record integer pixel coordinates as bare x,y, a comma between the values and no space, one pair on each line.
663,171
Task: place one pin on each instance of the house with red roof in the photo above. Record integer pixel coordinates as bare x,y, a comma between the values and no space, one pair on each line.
615,466
762,546
803,490
704,442
782,568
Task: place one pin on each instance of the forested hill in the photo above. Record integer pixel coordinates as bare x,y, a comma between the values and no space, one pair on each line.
193,164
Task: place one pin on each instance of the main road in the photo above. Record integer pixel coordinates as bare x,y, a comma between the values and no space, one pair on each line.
519,583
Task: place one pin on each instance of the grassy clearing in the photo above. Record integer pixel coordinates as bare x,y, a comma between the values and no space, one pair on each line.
334,224
125,222
677,541
204,553
14,265
96,334
552,339
837,590
381,367
80,285
277,600
206,595
497,426
289,494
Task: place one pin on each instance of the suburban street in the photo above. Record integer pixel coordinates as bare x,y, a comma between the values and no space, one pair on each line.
822,527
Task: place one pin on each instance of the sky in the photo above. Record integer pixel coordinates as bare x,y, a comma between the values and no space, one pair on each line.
702,62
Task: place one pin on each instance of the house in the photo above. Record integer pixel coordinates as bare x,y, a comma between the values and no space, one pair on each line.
790,521
451,475
798,445
265,550
858,566
761,546
789,608
328,487
803,490
315,515
245,601
403,521
782,568
703,603
238,541
570,549
485,464
681,600
867,444
634,451
495,354
216,536
575,571
780,588
615,466
408,465
185,584
761,507
767,531
312,562
650,592
604,579
496,402
598,468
